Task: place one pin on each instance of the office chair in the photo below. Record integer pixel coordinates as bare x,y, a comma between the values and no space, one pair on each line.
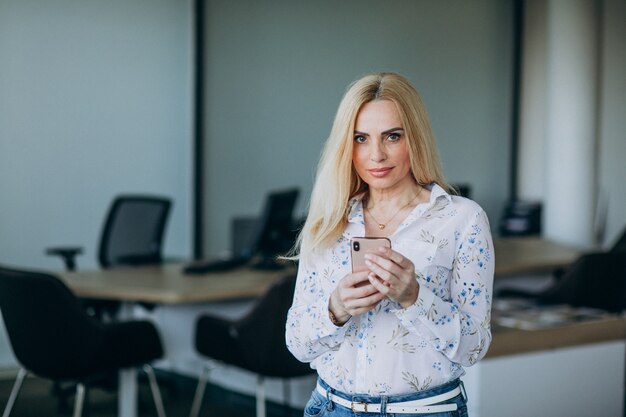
618,248
596,280
54,338
620,244
255,343
132,235
463,189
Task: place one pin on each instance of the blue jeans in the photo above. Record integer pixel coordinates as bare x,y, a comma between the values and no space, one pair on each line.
320,406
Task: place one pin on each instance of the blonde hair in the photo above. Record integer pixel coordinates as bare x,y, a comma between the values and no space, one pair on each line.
337,181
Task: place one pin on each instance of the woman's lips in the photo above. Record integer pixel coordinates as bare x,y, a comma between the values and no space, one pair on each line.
379,172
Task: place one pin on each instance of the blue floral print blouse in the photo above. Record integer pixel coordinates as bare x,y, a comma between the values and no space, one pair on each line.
391,350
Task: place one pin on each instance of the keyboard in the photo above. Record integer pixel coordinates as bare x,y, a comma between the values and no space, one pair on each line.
214,265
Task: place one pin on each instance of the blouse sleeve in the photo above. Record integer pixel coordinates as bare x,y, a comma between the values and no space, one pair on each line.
459,327
309,331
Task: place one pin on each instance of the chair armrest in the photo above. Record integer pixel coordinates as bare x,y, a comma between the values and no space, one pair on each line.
67,253
138,260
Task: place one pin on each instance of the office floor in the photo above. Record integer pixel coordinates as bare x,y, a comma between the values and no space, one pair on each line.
36,400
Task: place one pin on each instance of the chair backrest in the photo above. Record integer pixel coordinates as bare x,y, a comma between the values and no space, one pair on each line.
262,331
46,325
596,280
464,190
133,231
620,244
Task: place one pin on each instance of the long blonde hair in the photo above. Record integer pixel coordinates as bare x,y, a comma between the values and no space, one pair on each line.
337,181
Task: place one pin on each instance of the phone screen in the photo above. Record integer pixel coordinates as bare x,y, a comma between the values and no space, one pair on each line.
359,246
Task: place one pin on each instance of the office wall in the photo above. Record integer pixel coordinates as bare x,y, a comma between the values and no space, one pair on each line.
95,100
276,70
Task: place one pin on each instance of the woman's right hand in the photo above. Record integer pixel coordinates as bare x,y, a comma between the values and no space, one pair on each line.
354,295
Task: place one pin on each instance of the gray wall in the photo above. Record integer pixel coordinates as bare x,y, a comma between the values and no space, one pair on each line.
276,71
95,100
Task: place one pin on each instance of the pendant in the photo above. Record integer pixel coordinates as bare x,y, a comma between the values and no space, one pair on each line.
381,226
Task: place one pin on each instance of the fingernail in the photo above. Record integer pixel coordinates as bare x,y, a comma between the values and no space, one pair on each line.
368,263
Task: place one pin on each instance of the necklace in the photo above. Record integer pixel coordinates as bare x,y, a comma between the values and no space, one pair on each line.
381,226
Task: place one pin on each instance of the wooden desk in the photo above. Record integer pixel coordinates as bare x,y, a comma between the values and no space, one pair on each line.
574,369
168,285
527,255
511,341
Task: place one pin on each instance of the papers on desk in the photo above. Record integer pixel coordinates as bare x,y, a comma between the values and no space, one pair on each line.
526,315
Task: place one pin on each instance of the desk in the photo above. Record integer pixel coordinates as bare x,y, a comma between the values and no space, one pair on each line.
164,285
510,341
569,370
528,255
168,285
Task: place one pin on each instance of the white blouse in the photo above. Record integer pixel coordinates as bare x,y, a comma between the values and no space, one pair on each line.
390,350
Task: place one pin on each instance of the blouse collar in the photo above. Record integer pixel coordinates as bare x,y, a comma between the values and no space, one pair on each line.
356,220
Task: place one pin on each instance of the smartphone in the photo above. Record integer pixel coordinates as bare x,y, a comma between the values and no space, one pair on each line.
359,246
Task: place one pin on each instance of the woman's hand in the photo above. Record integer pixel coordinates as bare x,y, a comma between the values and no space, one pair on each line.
354,295
393,275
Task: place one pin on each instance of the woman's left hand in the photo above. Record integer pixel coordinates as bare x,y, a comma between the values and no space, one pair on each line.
393,275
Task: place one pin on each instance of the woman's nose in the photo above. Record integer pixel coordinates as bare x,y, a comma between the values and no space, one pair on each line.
377,153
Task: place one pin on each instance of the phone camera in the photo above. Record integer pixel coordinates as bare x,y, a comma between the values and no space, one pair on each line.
356,246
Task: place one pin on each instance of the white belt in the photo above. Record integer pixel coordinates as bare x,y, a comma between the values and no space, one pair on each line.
425,405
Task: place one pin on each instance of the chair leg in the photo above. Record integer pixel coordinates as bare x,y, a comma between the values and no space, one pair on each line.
287,394
260,396
62,393
200,389
80,399
154,387
17,385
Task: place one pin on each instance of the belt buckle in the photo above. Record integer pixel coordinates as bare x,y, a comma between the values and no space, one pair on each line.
353,403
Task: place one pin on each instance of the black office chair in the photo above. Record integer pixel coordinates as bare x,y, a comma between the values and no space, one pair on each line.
559,275
255,343
462,189
53,337
620,244
132,235
596,280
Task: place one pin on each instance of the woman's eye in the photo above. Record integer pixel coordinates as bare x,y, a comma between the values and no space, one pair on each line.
359,139
394,137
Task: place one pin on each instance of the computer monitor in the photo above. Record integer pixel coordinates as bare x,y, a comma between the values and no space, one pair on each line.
243,231
275,233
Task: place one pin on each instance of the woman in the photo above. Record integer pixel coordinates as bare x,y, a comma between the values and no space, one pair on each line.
402,330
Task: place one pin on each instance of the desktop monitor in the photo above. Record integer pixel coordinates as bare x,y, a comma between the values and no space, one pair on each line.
243,230
275,232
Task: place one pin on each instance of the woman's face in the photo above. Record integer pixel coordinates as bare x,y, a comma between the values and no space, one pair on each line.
380,155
